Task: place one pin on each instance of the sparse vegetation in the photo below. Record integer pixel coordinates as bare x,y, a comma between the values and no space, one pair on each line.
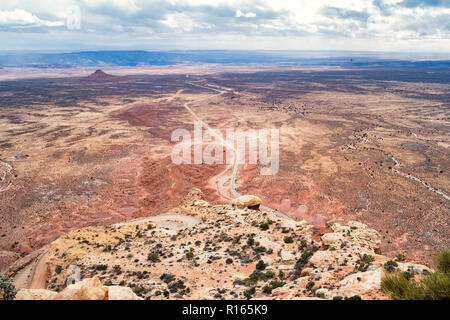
7,289
400,257
190,255
390,266
117,269
251,240
249,293
364,262
272,285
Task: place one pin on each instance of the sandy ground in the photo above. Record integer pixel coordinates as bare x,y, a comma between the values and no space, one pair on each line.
34,275
171,221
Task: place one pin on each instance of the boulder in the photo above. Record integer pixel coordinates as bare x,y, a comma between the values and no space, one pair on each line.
322,293
295,225
287,256
87,289
247,201
414,268
323,259
121,293
201,203
35,294
267,243
333,239
360,282
306,272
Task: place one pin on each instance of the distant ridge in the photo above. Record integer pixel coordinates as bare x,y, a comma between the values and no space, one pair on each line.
138,58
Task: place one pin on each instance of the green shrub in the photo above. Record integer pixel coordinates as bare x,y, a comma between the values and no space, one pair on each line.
261,265
249,292
58,269
190,255
436,286
442,261
7,289
431,286
390,266
365,262
398,286
272,285
153,257
264,226
399,257
300,264
288,239
258,275
353,298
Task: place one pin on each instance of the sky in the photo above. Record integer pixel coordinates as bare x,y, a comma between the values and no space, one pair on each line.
359,25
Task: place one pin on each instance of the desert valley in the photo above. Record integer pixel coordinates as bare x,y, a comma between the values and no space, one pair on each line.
93,148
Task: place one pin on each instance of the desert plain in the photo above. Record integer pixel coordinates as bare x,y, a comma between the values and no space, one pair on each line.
368,144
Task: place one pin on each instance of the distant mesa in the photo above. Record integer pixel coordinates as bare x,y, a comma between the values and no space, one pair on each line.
100,75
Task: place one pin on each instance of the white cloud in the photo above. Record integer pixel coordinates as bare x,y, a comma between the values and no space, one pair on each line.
381,22
126,6
184,22
19,17
239,14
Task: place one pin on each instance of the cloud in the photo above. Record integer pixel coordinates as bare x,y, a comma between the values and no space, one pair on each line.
345,14
126,7
239,14
174,22
424,3
19,18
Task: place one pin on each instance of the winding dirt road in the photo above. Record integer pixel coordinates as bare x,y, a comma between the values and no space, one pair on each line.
232,185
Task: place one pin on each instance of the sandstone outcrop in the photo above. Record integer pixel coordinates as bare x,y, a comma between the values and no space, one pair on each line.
247,201
121,293
220,252
87,289
35,294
